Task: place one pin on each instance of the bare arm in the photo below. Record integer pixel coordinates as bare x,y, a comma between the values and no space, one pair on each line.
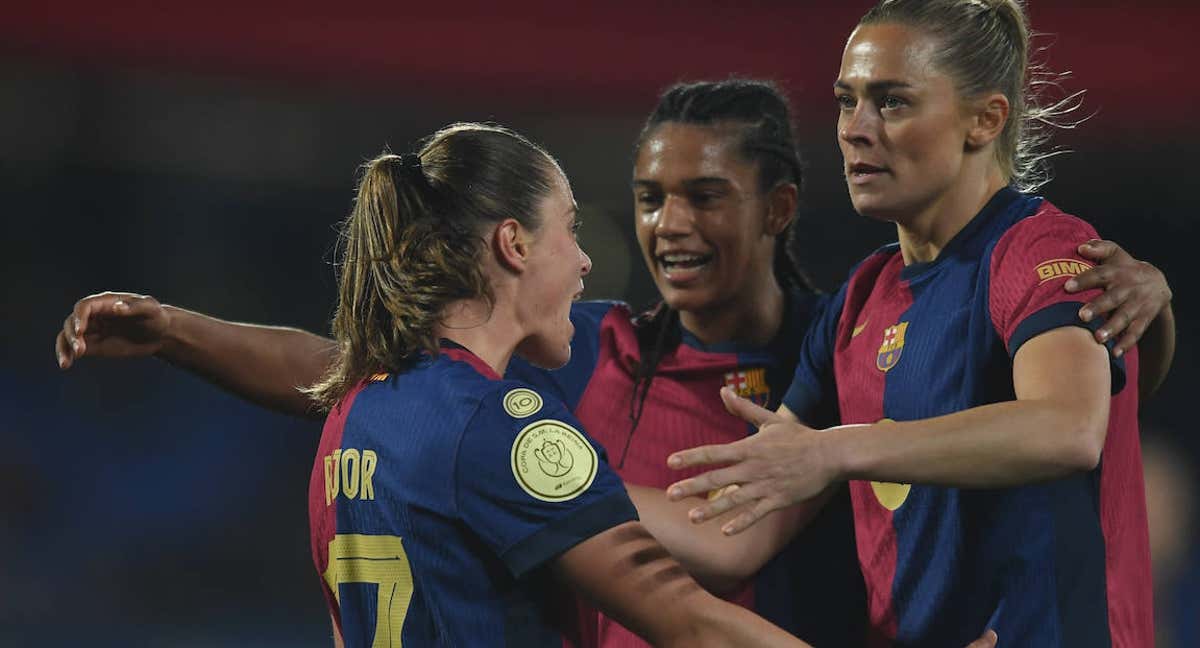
263,364
633,579
718,561
1056,426
1136,303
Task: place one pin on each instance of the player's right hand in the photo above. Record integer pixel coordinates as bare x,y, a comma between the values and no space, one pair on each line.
113,325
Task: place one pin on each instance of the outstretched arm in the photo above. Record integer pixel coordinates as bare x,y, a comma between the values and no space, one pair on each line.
1057,426
720,562
1136,302
263,364
633,579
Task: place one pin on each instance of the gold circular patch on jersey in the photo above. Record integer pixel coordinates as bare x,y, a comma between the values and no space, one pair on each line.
522,402
552,461
890,495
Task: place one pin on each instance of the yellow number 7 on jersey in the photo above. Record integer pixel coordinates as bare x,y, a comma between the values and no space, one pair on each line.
379,559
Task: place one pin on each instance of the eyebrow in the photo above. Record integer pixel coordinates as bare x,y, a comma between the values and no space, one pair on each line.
874,86
689,182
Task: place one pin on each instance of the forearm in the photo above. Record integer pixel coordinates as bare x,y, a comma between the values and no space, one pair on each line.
998,445
726,625
1156,352
263,364
634,580
717,561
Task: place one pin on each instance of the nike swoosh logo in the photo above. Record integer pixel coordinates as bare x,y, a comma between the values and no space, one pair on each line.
859,329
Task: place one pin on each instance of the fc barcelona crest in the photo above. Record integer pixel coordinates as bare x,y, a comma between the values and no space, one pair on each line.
893,345
750,384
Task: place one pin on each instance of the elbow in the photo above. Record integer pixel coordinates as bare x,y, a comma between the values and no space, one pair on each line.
1087,444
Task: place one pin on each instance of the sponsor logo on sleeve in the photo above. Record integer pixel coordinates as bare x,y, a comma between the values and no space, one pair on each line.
522,403
552,461
1055,268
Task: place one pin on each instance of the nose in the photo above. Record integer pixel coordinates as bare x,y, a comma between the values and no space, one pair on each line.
675,218
858,127
587,263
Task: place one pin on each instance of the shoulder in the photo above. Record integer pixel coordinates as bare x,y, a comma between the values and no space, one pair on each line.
1045,223
551,457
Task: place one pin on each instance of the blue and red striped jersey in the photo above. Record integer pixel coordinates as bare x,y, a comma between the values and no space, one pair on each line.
1061,563
813,588
436,495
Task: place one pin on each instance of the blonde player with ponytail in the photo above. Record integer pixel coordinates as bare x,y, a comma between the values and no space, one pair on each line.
993,460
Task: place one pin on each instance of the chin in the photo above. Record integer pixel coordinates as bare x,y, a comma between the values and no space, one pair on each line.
874,207
696,300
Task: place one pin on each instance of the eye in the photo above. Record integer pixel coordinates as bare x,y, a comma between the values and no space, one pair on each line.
705,198
647,200
892,102
844,101
575,227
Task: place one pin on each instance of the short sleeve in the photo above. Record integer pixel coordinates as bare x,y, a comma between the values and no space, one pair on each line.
568,382
813,381
1028,269
530,482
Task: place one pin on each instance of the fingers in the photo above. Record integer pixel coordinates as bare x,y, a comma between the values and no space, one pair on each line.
707,455
1102,251
988,640
705,483
62,351
112,304
747,518
1104,303
731,499
745,409
1098,277
1137,328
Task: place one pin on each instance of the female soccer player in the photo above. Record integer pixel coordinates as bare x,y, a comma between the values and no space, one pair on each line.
996,464
715,185
441,492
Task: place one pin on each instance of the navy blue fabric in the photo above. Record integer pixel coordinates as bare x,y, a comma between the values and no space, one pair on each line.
444,484
1029,561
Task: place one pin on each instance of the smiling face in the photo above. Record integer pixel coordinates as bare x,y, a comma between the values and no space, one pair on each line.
701,221
902,125
556,266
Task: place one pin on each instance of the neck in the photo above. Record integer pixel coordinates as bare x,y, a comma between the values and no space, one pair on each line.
924,235
488,334
754,318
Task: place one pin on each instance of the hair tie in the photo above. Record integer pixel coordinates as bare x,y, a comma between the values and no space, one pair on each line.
410,161
409,165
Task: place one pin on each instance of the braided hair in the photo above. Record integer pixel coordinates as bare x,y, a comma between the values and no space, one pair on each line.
761,119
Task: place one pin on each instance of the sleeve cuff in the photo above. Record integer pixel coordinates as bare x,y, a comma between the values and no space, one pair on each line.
1059,315
800,398
566,532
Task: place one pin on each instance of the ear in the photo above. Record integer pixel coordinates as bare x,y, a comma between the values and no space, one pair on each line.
988,121
781,207
510,245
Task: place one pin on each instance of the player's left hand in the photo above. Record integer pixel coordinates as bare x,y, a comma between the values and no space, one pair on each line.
783,464
1134,293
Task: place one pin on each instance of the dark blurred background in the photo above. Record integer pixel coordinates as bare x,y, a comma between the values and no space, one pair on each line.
202,153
